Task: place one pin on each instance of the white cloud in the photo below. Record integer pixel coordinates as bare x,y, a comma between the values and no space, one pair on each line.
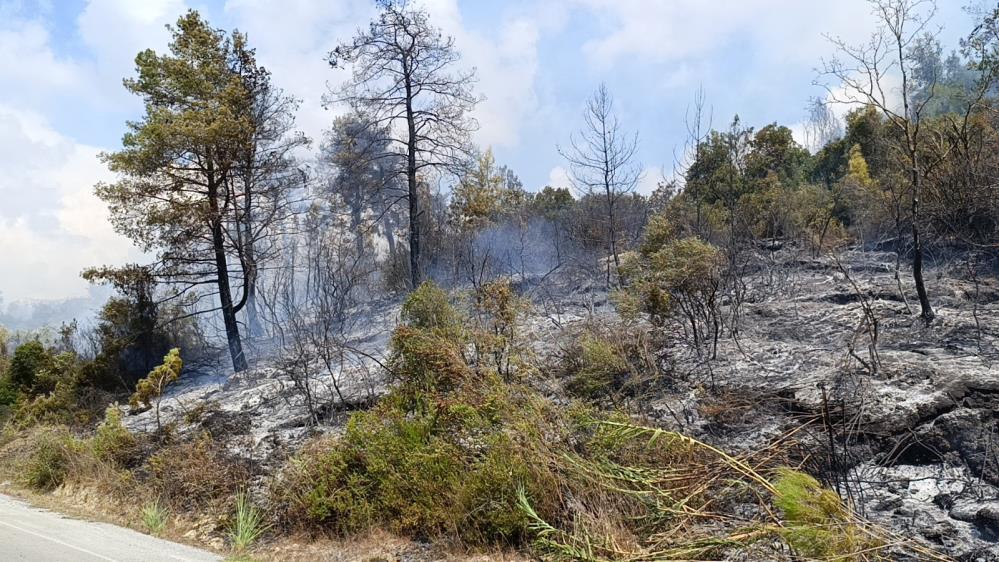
56,226
30,73
649,181
34,77
51,224
115,31
292,39
660,31
506,64
559,177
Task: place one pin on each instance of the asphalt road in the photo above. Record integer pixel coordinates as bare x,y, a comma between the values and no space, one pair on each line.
36,535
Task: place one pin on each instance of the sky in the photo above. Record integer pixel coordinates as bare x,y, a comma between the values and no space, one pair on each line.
537,61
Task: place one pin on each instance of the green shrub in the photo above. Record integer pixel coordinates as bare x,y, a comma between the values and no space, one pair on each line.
488,492
8,392
29,358
442,454
597,369
112,441
9,395
497,312
454,474
428,308
49,460
675,278
426,361
386,469
58,407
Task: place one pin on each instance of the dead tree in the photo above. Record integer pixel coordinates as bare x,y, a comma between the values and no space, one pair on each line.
868,325
403,79
863,75
602,161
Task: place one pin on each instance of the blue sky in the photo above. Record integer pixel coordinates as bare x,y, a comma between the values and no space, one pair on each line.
62,61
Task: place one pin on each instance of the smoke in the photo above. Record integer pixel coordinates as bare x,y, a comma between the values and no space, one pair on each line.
42,314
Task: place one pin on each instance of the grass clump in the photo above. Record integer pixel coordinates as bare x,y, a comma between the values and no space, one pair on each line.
155,517
817,522
247,524
596,368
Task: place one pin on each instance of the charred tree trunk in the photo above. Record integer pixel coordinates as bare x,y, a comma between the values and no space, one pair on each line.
926,310
415,275
249,259
225,292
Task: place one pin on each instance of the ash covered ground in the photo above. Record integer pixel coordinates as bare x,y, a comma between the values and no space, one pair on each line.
911,444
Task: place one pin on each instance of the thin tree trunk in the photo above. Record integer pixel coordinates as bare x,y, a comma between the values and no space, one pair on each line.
917,247
250,255
225,292
414,204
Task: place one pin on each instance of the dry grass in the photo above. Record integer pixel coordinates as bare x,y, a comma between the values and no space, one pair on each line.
196,476
689,500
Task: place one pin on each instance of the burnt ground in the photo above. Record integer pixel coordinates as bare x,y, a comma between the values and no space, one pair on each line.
911,444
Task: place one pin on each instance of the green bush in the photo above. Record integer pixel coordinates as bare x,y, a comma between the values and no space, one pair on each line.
428,308
427,361
58,369
597,368
112,441
451,473
497,312
55,408
8,400
443,454
49,460
29,358
8,392
674,279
